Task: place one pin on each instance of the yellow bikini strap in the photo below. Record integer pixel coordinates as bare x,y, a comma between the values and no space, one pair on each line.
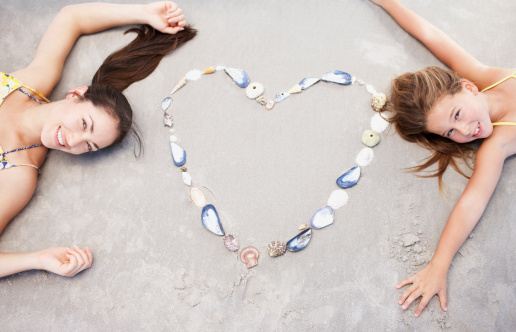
504,123
501,81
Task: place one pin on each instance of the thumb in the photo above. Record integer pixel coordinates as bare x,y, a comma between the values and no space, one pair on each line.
442,299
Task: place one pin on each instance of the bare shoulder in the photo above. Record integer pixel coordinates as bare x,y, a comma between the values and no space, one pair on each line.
500,145
485,76
18,186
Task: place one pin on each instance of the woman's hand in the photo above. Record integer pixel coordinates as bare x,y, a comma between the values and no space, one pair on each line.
165,16
426,283
65,261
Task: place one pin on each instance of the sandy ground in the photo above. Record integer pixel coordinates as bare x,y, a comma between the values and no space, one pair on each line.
157,268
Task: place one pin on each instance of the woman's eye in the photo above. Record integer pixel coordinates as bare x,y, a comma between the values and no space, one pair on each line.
449,133
84,124
89,147
457,115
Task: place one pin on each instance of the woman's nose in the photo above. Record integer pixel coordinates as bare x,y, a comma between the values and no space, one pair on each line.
464,129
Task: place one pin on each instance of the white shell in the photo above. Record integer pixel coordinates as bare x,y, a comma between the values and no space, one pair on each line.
338,198
218,68
370,88
365,157
187,179
173,138
197,197
193,75
378,123
254,90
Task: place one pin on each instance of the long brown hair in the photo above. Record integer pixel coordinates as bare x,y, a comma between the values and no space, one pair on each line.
412,97
130,64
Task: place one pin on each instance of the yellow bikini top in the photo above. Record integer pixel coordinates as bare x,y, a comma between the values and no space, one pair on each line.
513,75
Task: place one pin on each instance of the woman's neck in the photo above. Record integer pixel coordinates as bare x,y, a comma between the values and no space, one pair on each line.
31,121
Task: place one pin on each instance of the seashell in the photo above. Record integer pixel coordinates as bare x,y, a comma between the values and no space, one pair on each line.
370,88
231,243
183,169
378,123
209,70
365,157
210,220
338,77
308,82
378,101
165,104
300,241
173,138
350,178
238,76
276,248
353,79
281,96
187,179
338,198
249,255
295,89
219,68
370,138
270,105
322,218
261,100
254,90
178,154
198,197
303,227
179,85
193,75
168,121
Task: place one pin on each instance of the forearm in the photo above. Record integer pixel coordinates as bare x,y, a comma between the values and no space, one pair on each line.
459,226
11,263
94,17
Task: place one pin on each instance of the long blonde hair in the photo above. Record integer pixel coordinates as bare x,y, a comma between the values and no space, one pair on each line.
412,97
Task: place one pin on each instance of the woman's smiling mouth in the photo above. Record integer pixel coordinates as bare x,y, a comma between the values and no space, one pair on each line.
60,137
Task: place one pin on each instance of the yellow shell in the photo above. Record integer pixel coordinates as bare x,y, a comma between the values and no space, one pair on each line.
276,248
370,138
378,102
295,89
197,197
209,70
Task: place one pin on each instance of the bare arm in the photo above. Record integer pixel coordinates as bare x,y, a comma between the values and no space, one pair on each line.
465,215
441,45
71,22
63,261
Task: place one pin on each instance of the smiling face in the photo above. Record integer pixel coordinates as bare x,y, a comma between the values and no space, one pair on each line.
76,127
462,117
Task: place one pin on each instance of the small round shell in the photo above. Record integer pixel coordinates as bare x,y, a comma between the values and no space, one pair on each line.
365,157
254,90
197,197
193,75
231,243
270,105
370,138
378,123
276,248
338,198
249,256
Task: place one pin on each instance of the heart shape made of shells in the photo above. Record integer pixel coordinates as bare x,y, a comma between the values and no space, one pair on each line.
338,198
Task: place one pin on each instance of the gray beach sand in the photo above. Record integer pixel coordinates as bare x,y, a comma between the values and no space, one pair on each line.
156,268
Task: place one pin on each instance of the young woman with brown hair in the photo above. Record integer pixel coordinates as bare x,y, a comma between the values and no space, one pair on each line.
88,119
441,110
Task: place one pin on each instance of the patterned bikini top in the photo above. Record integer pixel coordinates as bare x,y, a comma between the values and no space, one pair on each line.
513,75
9,84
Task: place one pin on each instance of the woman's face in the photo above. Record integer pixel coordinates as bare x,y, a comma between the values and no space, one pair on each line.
463,117
76,127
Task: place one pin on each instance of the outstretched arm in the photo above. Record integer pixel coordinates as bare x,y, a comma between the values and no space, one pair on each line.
441,45
465,215
72,21
63,261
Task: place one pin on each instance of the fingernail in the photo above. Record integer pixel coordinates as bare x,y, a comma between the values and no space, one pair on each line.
403,307
415,315
400,302
445,308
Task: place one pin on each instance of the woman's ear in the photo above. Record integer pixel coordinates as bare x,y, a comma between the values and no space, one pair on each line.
80,91
468,85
